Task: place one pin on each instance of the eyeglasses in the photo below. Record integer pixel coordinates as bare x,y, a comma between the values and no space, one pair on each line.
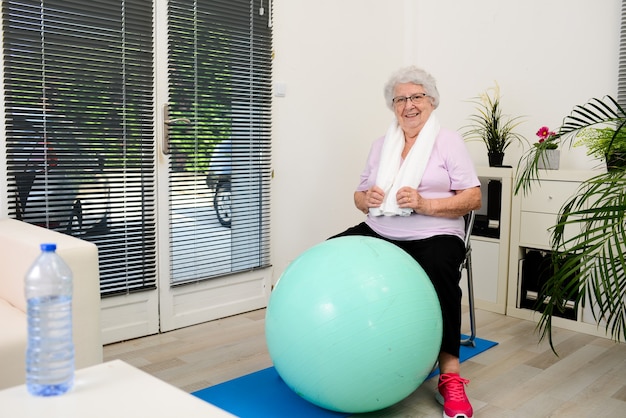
416,98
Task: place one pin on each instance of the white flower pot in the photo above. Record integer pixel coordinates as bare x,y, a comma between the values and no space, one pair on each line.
549,159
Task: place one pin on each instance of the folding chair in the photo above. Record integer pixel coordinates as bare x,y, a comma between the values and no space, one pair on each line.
467,265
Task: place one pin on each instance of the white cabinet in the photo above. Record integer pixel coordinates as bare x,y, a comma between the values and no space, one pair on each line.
490,240
539,210
532,217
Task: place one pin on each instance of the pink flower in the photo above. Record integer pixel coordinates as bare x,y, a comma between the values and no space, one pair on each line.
544,133
547,138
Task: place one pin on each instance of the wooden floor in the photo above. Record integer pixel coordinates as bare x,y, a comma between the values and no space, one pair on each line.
518,378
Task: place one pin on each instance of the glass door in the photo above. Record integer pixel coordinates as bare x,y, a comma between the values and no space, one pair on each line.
144,127
79,136
216,122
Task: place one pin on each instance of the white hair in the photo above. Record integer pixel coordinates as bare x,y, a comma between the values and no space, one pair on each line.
413,75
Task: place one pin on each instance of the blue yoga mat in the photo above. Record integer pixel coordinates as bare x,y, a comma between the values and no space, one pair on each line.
263,394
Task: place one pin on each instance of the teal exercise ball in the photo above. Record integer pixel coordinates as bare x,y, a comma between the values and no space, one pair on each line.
353,325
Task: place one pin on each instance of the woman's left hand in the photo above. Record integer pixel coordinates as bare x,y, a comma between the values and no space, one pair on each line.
409,198
461,203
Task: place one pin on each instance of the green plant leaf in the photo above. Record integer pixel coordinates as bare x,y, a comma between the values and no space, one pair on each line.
591,261
588,239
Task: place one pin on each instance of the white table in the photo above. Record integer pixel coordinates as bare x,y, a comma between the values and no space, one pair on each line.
112,389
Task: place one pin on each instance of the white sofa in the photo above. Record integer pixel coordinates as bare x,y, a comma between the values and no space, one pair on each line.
19,246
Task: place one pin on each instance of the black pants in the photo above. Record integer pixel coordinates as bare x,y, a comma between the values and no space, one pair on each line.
440,257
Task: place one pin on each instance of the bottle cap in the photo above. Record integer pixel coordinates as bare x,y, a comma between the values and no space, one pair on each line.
47,247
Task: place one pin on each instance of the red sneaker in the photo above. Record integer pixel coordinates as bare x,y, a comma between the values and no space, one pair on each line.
452,396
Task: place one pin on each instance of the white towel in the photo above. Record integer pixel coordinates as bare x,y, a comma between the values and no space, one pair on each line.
393,173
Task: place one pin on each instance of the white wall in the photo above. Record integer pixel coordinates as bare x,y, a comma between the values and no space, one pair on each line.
334,57
546,55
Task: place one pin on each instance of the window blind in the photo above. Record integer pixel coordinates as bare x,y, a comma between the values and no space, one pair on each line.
621,79
220,86
78,79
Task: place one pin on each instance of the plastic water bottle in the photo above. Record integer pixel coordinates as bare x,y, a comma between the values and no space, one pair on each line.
50,350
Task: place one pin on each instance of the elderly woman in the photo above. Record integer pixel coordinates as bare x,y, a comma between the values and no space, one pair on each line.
418,183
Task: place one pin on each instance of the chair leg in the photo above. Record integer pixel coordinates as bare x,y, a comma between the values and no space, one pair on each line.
470,296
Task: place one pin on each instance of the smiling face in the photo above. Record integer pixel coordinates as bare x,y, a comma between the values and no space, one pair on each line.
412,115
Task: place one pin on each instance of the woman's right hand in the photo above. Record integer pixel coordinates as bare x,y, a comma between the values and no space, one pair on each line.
370,198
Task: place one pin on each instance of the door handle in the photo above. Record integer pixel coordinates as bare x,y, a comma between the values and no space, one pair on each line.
165,148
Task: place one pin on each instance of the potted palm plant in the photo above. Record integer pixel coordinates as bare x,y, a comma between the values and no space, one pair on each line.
492,127
588,266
